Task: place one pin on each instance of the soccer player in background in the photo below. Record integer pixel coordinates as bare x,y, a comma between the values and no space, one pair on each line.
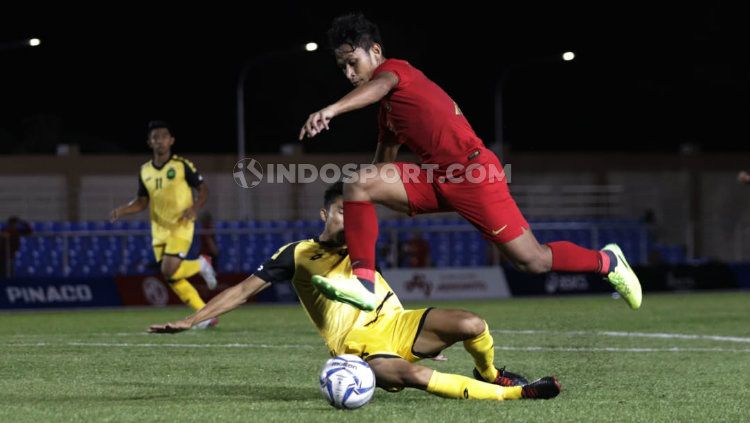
389,338
417,112
165,185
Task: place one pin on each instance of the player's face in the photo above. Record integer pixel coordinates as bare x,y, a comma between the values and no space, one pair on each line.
160,140
334,218
357,63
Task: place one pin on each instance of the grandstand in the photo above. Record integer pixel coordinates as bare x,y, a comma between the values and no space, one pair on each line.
654,216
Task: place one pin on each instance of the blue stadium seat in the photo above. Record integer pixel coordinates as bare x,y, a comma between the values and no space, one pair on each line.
120,225
78,226
249,241
221,224
387,224
141,225
265,224
102,225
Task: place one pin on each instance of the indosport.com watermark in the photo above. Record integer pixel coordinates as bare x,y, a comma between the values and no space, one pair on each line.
249,173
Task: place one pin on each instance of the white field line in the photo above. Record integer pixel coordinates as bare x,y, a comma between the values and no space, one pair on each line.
620,349
657,335
626,334
156,345
303,346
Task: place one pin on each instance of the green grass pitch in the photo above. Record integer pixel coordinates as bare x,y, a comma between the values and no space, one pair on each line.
681,358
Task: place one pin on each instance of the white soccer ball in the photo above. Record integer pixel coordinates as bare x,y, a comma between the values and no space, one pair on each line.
347,382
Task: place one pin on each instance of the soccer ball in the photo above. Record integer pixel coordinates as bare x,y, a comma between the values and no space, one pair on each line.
347,382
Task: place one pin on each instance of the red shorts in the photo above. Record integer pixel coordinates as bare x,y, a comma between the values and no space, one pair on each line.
476,189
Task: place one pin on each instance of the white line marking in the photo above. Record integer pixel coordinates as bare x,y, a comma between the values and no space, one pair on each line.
300,346
627,334
150,345
657,335
619,349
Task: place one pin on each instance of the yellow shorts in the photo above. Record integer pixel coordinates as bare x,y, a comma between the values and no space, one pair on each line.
172,246
391,335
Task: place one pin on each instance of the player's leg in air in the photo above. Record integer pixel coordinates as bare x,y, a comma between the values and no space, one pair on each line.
562,256
441,329
379,184
497,216
488,206
177,270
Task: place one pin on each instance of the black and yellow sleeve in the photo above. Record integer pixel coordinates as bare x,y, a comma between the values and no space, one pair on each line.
192,177
142,191
280,267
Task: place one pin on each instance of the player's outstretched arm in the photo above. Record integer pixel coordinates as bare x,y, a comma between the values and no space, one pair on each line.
364,95
134,206
227,301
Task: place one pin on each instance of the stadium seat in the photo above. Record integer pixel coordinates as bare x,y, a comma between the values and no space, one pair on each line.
452,240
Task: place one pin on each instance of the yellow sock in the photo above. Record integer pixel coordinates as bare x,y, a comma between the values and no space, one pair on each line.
482,348
186,269
187,294
455,386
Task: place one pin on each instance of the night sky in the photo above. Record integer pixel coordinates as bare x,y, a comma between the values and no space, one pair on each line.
646,77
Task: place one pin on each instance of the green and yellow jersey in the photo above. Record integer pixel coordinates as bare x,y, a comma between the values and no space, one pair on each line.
299,261
169,189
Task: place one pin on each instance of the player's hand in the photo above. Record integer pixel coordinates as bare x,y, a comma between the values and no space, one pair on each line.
743,177
316,123
189,214
114,215
172,327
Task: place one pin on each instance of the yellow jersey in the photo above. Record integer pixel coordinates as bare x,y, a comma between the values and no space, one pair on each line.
169,188
299,261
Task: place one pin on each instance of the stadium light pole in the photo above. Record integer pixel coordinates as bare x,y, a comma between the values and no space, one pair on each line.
12,45
500,86
242,78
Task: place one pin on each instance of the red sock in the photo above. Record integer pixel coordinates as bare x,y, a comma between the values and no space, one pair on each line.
569,257
361,231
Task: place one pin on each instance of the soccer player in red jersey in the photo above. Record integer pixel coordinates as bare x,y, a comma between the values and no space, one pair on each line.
457,173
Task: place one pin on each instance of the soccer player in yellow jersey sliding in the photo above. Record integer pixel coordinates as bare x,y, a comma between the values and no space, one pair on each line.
389,338
165,185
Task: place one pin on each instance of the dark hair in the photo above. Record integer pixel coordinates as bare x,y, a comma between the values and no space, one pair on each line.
353,29
332,193
156,124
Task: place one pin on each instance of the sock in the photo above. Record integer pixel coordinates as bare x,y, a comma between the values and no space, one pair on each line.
361,232
186,269
568,257
187,294
454,386
609,262
368,284
482,349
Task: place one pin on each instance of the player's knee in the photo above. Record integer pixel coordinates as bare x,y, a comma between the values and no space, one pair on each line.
167,270
360,185
471,326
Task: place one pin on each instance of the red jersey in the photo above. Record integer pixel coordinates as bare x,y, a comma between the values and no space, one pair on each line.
418,113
